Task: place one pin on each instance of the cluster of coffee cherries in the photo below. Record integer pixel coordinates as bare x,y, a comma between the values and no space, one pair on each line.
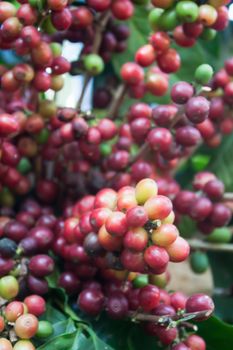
206,205
124,299
131,229
19,321
24,245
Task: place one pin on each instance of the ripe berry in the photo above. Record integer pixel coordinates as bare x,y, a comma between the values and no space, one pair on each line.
188,136
136,239
91,301
160,41
122,10
160,139
41,265
35,305
99,5
169,61
201,209
157,258
117,305
132,73
149,297
214,189
5,344
200,302
197,109
181,92
220,215
207,15
145,55
195,342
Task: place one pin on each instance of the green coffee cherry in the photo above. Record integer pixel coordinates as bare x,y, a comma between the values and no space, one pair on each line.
220,235
154,17
199,262
93,64
208,34
140,281
24,165
187,11
44,330
159,280
200,162
105,149
203,74
56,49
9,287
168,20
43,136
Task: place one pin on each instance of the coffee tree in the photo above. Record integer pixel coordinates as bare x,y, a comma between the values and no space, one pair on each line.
102,205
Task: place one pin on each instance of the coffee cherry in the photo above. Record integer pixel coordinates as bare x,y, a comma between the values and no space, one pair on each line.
154,18
122,11
197,109
91,301
136,217
207,15
149,297
168,20
117,305
145,189
169,61
193,30
201,209
200,302
44,330
116,224
7,10
164,235
93,64
132,73
132,261
136,239
199,262
24,345
178,300
181,92
157,258
214,189
69,282
13,310
145,55
5,344
187,11
203,74
220,235
194,342
188,136
160,139
41,265
57,5
7,248
99,5
220,215
26,326
9,287
157,84
37,285
35,305
158,207
62,20
160,41
179,250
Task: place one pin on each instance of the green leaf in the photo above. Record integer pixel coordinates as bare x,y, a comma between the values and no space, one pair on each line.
217,334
